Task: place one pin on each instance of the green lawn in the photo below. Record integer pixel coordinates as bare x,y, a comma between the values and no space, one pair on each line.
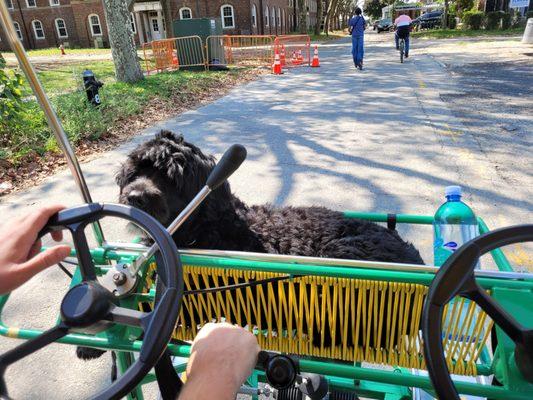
67,78
55,52
28,132
452,33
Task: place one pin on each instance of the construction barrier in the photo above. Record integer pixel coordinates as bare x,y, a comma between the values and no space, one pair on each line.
294,50
222,50
174,53
160,55
242,50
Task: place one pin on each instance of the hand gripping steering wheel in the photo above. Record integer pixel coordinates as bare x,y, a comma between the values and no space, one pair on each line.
456,277
88,307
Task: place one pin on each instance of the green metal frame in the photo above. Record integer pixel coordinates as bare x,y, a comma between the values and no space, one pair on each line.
369,382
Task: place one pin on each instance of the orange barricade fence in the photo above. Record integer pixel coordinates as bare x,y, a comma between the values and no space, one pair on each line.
294,50
160,55
174,53
243,50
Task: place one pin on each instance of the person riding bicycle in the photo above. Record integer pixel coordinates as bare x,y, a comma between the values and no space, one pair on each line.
403,28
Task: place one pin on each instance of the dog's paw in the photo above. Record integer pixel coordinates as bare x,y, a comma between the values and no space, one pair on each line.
87,353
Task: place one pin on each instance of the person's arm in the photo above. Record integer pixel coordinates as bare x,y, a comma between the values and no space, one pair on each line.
350,26
222,357
20,256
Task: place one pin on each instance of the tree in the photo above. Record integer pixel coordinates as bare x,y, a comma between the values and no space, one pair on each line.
319,16
373,8
303,16
123,50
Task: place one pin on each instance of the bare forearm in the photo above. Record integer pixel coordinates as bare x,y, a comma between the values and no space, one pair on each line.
205,387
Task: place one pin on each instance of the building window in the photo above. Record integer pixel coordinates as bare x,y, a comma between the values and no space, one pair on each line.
279,16
273,16
38,29
94,23
31,3
155,25
132,22
254,16
267,18
17,29
185,13
9,4
54,3
61,28
228,19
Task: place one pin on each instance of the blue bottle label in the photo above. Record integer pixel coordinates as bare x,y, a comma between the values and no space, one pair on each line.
452,246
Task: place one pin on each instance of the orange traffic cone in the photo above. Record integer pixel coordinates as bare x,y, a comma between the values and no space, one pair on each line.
276,68
62,48
175,59
300,57
294,59
316,61
282,56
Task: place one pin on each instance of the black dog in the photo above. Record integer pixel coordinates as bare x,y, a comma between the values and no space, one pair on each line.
162,176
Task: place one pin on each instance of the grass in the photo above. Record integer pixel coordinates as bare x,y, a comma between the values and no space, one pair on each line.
67,78
28,134
55,52
452,33
323,37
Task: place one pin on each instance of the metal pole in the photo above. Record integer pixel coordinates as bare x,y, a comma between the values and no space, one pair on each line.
51,116
180,219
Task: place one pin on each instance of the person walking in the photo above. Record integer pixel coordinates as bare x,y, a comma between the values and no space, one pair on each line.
356,27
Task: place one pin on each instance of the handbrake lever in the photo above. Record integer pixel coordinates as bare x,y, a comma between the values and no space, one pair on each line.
228,164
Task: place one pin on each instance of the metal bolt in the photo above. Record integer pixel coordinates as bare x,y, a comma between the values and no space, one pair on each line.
119,278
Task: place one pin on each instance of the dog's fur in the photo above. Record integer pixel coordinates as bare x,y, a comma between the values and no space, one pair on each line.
162,176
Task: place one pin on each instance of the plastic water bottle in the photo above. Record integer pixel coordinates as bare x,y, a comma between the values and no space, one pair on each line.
455,224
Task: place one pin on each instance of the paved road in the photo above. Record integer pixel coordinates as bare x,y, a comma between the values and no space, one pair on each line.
378,140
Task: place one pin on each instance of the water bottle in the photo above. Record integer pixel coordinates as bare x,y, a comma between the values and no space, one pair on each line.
455,224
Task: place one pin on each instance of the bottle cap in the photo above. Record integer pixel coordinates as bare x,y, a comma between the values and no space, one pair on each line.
452,191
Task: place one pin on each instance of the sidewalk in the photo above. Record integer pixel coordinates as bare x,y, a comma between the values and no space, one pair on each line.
378,140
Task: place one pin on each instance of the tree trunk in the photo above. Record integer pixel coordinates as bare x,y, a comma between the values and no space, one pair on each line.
127,67
303,16
167,14
319,15
445,17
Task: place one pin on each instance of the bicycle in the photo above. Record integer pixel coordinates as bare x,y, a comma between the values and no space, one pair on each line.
402,49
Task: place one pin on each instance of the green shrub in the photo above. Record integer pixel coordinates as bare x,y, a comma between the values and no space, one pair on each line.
462,6
529,14
493,20
506,19
10,94
452,22
473,19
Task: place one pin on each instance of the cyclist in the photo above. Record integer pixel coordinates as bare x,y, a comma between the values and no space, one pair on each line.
403,27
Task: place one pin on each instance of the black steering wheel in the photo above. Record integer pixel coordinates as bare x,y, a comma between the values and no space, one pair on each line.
89,307
456,277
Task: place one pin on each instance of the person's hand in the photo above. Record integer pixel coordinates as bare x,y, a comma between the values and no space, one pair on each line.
222,357
20,256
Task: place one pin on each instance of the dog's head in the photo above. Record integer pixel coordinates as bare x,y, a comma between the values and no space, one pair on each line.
163,175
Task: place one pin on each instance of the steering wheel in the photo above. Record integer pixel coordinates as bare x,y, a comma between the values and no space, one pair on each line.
89,307
456,277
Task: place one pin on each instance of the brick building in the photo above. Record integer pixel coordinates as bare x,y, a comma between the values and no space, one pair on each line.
81,23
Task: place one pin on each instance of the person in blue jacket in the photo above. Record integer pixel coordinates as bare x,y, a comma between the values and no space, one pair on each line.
356,27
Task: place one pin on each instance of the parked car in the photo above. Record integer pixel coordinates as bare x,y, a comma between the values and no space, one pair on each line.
384,24
428,20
